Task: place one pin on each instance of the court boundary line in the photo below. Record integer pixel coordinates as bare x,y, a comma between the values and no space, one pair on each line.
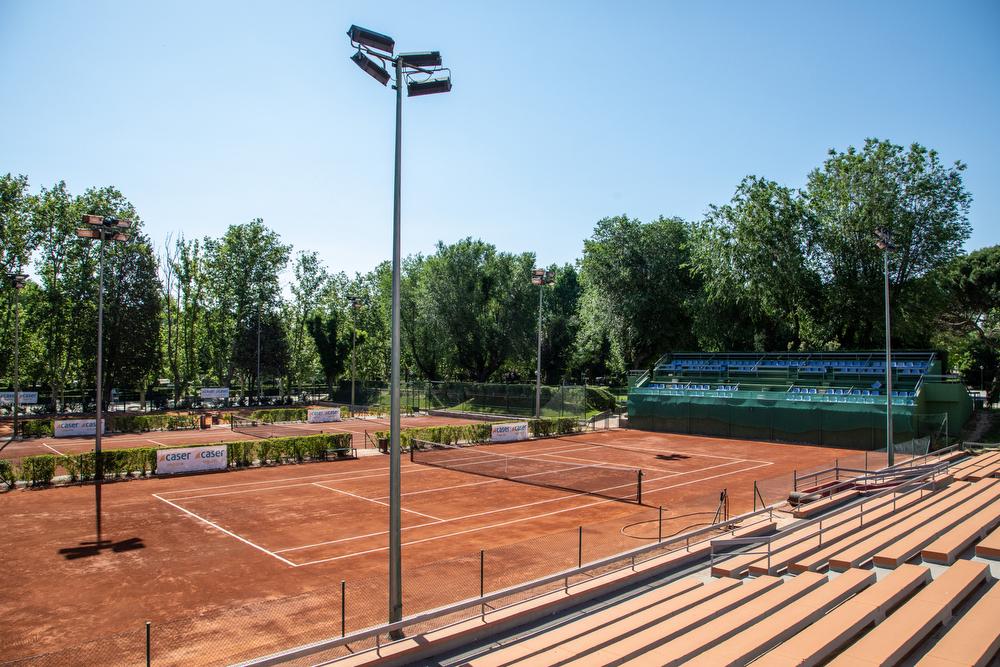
377,502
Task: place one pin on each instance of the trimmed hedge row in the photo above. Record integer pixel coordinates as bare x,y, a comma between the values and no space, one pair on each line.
481,432
141,461
289,414
39,428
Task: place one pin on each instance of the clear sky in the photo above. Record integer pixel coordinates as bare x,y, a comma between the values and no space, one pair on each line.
207,114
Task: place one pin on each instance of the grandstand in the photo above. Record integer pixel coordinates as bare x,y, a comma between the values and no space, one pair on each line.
904,574
828,398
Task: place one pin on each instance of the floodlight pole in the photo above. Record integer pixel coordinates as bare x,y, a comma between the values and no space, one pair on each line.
260,385
889,445
538,359
98,462
395,498
354,334
18,285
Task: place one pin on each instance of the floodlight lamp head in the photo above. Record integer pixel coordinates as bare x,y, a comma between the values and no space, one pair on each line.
371,67
421,59
371,39
415,88
19,280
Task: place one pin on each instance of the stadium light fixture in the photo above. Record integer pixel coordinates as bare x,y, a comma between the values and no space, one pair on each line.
421,59
371,67
373,40
370,43
883,239
541,278
103,228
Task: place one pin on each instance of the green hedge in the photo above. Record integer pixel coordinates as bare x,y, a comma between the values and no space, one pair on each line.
36,428
244,453
143,423
289,414
141,461
454,434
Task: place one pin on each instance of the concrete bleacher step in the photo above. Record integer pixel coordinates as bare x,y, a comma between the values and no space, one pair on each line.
907,627
948,547
622,646
966,469
974,640
919,505
785,622
828,634
824,504
989,547
628,616
900,532
983,505
785,549
986,471
722,626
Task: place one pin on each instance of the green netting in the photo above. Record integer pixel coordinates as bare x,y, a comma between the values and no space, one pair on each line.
750,416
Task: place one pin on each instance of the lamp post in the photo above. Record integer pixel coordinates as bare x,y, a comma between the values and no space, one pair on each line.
418,71
883,239
355,302
18,281
540,277
102,228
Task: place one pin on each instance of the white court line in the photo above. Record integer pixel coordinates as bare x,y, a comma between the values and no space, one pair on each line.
598,463
377,502
679,451
342,476
157,442
512,521
461,518
227,532
45,444
531,504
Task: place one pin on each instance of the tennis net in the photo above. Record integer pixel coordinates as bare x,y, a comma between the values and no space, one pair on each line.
617,483
265,430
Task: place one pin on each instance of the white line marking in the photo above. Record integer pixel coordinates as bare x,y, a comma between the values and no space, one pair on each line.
45,444
512,521
504,523
377,502
227,532
157,442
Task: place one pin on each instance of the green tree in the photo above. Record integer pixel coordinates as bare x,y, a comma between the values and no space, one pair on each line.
752,257
18,236
637,287
908,192
310,284
970,323
560,323
333,346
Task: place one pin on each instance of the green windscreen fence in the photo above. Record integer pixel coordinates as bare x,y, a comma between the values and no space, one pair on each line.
754,417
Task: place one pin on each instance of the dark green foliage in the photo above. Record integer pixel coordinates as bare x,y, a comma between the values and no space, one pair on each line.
333,346
38,470
296,449
36,428
478,433
8,474
279,415
141,423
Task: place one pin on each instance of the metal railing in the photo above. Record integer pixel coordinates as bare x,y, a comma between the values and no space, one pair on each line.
926,476
482,602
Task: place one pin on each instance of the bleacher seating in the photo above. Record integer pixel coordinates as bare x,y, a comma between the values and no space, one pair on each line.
794,613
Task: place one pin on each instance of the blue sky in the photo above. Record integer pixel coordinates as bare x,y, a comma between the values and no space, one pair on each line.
207,114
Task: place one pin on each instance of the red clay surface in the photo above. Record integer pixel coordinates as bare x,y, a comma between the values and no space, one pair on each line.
282,538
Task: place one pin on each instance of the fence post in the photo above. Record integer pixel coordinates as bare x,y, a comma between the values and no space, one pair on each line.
755,495
795,480
659,528
482,581
343,607
149,654
579,549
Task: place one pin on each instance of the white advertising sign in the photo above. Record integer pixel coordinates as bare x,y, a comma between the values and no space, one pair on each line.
190,459
74,428
7,397
509,432
324,415
214,392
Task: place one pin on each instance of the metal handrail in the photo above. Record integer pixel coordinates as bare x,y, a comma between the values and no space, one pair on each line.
925,479
431,614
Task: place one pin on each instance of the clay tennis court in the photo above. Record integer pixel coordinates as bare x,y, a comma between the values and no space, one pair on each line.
238,564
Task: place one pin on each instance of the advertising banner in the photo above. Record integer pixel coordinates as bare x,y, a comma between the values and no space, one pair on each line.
27,397
323,415
191,459
214,392
74,428
509,432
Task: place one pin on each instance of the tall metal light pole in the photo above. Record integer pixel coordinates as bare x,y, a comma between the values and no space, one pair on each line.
407,66
883,239
18,280
103,228
260,385
540,277
355,302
